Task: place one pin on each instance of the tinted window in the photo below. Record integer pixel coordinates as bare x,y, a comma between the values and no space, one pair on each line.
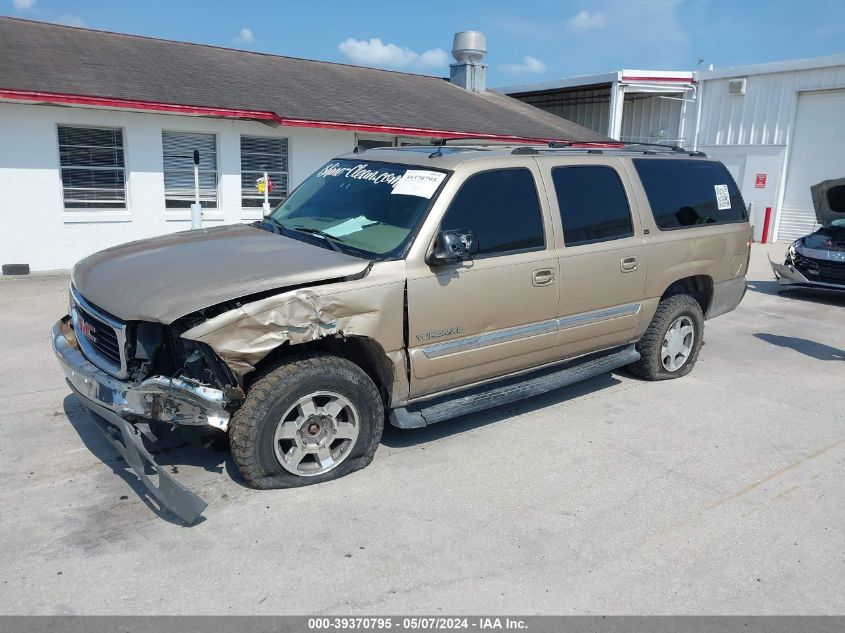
684,193
593,206
501,208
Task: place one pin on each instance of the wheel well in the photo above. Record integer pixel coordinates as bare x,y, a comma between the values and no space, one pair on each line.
364,352
699,287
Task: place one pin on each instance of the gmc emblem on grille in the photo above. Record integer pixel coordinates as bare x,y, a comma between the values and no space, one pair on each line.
87,329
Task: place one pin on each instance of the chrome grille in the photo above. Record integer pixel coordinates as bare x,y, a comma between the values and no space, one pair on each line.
101,337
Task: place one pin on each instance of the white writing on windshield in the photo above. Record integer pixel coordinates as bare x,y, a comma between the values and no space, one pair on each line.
359,172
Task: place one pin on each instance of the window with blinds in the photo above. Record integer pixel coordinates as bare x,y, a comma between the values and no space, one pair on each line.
260,154
92,168
178,150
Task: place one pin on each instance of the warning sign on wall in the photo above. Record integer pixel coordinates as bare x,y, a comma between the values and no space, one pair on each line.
760,181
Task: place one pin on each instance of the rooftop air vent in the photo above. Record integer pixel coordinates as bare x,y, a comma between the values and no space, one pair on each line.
469,49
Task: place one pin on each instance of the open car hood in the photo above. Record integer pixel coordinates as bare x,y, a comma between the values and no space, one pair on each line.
829,200
164,278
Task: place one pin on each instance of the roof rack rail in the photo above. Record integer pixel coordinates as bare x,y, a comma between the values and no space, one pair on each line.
599,147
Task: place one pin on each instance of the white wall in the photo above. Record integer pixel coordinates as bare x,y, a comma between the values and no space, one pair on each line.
745,162
36,230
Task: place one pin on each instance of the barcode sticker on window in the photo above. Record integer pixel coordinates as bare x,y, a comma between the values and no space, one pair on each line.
418,182
723,197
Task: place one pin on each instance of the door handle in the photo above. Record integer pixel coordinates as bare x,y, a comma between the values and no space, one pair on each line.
543,277
629,264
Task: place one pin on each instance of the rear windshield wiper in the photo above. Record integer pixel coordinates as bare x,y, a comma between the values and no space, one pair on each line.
330,239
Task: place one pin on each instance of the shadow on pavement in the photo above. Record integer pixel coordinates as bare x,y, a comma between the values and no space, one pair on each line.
773,287
402,438
206,449
819,351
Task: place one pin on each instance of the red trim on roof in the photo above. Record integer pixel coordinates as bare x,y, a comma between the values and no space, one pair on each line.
685,80
151,106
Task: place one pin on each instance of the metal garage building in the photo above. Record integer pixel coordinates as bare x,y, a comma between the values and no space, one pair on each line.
779,127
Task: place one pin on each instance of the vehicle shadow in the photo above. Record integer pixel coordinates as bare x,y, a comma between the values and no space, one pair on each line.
772,287
403,438
819,351
182,447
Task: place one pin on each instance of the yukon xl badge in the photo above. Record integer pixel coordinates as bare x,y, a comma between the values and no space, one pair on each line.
438,333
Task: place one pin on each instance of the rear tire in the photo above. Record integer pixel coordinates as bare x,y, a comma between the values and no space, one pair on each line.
314,418
669,348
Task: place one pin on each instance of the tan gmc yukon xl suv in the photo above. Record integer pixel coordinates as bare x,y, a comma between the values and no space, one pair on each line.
405,285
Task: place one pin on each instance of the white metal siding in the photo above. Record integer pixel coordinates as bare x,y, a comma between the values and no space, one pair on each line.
651,119
763,115
815,154
589,107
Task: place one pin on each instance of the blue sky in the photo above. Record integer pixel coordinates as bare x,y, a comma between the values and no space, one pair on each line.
528,41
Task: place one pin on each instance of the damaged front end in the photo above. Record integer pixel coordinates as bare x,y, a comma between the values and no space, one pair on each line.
817,261
128,373
815,269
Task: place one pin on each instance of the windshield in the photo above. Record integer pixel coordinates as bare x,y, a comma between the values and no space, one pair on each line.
361,205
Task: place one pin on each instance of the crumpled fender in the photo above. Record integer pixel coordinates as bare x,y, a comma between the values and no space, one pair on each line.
372,307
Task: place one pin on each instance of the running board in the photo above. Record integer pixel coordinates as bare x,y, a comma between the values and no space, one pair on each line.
510,390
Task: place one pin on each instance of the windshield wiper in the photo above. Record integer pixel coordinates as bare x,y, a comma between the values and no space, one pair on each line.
272,221
330,239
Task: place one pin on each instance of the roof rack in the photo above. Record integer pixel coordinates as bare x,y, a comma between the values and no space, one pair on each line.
598,147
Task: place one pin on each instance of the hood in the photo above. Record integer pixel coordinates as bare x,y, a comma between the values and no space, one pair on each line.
164,278
829,200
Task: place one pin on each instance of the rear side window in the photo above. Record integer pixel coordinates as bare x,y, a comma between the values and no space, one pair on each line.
686,193
593,205
501,208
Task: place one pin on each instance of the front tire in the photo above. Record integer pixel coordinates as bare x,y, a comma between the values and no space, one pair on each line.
314,418
669,348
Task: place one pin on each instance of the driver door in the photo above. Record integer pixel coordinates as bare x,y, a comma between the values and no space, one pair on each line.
495,314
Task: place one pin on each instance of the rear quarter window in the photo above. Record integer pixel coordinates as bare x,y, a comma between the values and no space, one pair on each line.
690,193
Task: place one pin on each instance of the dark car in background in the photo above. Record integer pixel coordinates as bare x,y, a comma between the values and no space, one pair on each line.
817,261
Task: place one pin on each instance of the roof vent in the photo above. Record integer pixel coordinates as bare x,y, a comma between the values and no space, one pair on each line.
736,86
468,49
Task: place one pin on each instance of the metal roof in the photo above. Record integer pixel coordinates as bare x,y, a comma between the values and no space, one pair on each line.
48,63
807,63
631,76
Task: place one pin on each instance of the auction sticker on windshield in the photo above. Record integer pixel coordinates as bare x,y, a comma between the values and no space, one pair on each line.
418,182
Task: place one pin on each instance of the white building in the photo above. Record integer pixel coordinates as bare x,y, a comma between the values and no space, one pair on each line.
778,127
98,130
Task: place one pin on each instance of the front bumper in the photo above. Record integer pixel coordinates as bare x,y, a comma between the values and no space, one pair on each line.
157,398
790,278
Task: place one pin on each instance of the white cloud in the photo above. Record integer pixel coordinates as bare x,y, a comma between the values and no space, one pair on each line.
70,20
528,66
434,58
585,21
24,5
245,36
374,52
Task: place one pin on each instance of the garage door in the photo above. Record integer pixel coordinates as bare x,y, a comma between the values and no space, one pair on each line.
816,154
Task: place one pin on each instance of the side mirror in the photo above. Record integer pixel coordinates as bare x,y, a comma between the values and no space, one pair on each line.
453,247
